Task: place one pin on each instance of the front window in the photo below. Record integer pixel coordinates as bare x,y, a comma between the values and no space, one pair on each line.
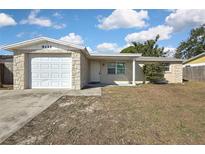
166,67
111,68
120,68
116,68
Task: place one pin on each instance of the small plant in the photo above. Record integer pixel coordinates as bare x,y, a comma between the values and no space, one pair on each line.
153,72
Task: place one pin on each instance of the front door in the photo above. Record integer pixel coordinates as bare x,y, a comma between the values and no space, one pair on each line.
95,71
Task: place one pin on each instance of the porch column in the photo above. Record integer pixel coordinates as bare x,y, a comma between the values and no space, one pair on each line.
133,72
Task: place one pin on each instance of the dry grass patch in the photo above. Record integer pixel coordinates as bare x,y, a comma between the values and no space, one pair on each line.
147,114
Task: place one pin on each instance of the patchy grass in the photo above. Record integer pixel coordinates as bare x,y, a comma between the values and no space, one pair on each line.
147,114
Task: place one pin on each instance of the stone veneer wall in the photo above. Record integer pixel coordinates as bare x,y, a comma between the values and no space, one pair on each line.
76,75
175,74
84,62
19,70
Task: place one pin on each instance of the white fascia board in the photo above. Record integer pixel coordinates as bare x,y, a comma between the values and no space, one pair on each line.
194,65
115,55
158,59
36,40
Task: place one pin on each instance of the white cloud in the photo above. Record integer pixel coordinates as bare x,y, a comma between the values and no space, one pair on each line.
89,49
170,10
34,19
20,34
108,48
59,26
180,19
28,34
123,19
58,15
73,38
151,33
170,52
6,20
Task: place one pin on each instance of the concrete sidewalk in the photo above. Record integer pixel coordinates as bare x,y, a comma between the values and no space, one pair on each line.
17,107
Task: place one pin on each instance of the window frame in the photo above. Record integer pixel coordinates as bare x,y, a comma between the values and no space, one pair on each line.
113,67
169,67
116,67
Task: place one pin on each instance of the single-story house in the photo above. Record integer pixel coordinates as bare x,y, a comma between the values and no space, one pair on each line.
198,60
49,63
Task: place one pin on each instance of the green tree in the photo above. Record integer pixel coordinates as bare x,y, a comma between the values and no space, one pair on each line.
149,48
194,45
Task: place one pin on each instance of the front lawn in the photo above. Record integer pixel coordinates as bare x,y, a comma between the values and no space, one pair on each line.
146,114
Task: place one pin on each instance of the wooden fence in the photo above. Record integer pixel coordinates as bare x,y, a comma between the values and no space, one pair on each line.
1,70
196,73
6,73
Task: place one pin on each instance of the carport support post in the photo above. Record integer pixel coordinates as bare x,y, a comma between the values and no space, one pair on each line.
133,72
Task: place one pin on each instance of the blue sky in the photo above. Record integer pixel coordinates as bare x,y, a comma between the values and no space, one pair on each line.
103,31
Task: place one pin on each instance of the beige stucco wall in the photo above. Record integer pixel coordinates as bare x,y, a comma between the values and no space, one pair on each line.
115,78
119,78
175,73
173,76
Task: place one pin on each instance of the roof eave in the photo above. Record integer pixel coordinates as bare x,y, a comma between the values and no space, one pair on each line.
193,58
114,56
15,46
158,59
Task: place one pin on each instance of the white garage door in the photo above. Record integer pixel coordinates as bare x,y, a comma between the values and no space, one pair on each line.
50,71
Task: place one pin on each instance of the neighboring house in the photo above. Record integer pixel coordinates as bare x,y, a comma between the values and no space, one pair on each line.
194,68
198,60
49,63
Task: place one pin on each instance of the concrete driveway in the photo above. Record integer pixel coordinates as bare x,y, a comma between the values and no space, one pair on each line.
17,107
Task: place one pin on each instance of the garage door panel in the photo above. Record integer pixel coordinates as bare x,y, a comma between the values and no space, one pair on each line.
44,66
64,59
55,84
64,84
35,75
55,59
44,75
50,72
65,66
36,66
43,59
65,75
55,75
44,83
55,66
35,83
